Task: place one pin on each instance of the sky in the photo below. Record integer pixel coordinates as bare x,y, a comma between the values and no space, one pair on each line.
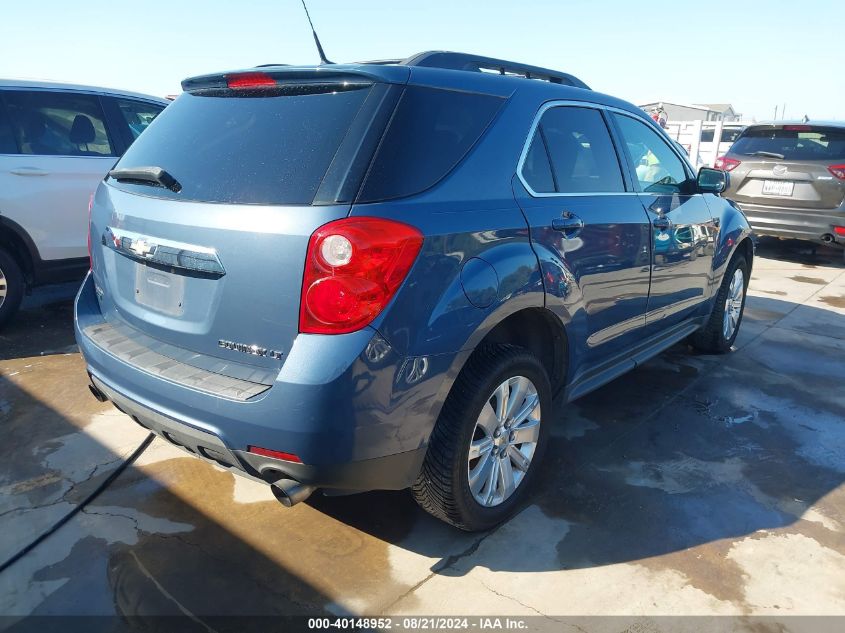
753,54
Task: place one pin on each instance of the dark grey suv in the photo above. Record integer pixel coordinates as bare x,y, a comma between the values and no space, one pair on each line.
789,179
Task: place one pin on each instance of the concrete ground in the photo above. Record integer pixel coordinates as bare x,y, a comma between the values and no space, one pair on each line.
694,485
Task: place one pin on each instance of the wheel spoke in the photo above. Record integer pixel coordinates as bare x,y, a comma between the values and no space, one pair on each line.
487,419
529,431
519,460
516,397
501,396
529,404
492,480
506,477
480,447
480,475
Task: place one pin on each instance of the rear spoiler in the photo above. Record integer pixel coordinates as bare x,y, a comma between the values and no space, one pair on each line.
303,75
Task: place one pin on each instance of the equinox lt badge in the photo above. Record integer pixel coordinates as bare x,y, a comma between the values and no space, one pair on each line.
254,350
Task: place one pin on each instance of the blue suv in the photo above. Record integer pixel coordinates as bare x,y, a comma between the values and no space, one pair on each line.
380,275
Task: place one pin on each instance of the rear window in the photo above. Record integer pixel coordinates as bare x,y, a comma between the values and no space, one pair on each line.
802,142
248,149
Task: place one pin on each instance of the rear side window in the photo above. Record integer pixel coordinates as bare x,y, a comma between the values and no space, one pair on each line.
430,132
58,123
246,148
792,142
579,151
137,114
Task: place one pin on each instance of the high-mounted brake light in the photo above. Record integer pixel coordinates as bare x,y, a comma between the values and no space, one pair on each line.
725,163
838,171
353,268
90,206
268,452
249,80
797,128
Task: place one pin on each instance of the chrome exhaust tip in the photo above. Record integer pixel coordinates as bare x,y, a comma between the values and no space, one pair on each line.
290,492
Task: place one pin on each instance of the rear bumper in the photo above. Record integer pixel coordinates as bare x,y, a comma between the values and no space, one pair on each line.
804,224
344,411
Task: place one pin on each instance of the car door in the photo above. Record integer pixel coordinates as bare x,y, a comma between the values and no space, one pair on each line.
588,227
682,225
62,151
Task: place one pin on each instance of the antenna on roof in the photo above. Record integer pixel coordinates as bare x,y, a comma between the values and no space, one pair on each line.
320,52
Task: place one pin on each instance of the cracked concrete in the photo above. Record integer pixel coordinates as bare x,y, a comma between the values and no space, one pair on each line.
694,485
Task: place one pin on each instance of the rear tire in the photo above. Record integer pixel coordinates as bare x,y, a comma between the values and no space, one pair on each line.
508,443
11,286
719,333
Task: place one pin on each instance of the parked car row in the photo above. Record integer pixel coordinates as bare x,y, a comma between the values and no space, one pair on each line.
57,142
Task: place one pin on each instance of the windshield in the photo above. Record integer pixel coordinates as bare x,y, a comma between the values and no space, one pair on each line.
803,142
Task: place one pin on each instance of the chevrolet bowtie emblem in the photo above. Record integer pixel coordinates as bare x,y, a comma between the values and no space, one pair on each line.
142,248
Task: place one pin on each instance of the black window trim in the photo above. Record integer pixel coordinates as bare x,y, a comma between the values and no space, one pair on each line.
630,187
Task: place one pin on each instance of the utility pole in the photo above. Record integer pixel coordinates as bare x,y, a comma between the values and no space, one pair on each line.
776,114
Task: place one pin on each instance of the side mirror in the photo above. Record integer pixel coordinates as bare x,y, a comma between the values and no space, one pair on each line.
712,180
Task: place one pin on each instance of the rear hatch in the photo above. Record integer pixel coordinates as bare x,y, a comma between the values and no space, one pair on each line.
200,234
793,166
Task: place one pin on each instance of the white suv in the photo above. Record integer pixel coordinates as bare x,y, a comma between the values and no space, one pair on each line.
57,141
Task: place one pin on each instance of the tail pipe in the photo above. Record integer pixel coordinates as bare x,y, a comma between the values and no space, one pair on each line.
290,492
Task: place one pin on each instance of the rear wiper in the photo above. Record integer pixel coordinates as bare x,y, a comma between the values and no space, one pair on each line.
767,154
146,175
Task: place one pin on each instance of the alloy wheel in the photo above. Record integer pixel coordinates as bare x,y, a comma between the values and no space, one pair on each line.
504,441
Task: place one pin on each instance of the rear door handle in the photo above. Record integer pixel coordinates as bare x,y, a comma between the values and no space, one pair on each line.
29,171
567,222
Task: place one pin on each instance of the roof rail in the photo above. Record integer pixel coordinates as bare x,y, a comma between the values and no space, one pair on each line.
477,63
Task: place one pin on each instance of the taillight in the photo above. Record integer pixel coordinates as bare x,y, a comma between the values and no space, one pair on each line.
90,206
839,230
725,163
352,270
838,171
249,80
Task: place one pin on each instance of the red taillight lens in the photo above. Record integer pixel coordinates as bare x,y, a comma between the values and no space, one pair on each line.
725,163
90,206
838,171
249,80
352,270
267,452
839,230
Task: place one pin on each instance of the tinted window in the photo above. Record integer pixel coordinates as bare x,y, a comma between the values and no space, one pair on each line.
657,167
536,169
137,114
800,142
266,148
429,134
58,123
707,135
580,150
7,138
